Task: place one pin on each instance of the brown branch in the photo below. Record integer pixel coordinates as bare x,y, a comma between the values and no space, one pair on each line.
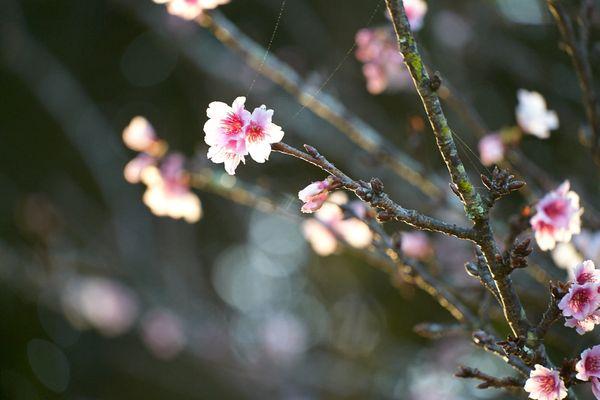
380,200
488,381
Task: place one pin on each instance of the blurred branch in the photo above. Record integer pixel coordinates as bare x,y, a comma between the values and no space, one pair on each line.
488,381
577,48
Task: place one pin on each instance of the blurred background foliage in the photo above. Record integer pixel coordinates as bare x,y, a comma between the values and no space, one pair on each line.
258,315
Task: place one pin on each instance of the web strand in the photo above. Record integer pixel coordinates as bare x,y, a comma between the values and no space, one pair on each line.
339,65
262,63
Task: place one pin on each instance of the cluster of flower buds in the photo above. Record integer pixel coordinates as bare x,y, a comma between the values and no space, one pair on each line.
232,133
168,191
557,218
331,224
501,183
190,9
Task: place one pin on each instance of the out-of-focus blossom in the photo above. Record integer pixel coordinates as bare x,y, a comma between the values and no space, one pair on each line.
533,116
261,132
596,387
584,325
586,272
416,245
101,303
491,149
545,384
284,337
168,193
139,135
558,217
190,9
565,256
314,195
135,168
162,332
329,224
589,364
581,301
232,133
415,12
588,244
383,66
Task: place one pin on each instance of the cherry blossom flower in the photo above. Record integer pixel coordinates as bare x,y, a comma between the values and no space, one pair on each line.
416,245
580,301
545,384
232,133
190,9
532,115
491,149
314,195
596,387
383,66
415,12
589,364
135,168
162,332
168,193
586,272
330,224
584,325
558,217
261,133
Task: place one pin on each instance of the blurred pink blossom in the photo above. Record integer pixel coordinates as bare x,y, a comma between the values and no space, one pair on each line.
415,12
533,116
104,304
284,337
329,224
545,384
139,135
168,193
491,149
190,9
416,245
383,66
558,217
589,364
135,168
596,387
162,332
588,244
581,301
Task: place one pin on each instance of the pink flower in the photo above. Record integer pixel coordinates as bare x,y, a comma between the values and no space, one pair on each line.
261,133
416,245
168,193
383,64
586,272
190,9
596,387
135,168
314,195
491,149
545,384
589,365
140,136
329,225
584,325
532,115
580,301
232,133
558,217
415,11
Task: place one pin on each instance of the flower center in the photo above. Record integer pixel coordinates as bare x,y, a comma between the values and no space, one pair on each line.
579,299
546,383
233,124
592,364
255,132
555,209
